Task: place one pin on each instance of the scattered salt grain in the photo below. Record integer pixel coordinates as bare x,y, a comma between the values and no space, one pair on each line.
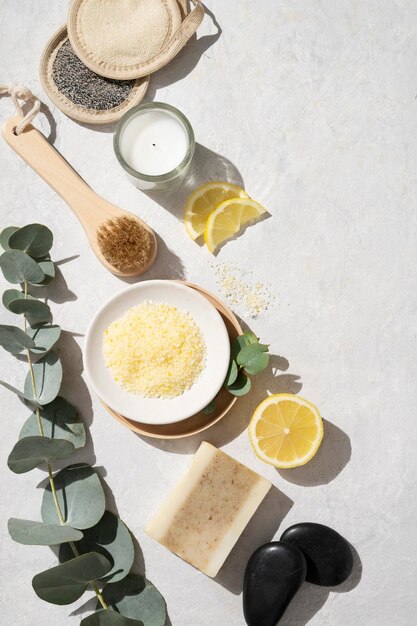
252,297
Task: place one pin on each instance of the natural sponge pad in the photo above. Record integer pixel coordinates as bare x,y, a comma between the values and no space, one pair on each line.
116,37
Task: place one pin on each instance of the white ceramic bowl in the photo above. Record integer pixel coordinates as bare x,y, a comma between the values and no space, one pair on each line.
158,410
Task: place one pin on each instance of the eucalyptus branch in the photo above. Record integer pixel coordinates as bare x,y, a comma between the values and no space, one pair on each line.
95,546
48,465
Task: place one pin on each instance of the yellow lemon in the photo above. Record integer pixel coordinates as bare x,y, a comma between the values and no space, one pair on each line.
228,218
285,430
203,201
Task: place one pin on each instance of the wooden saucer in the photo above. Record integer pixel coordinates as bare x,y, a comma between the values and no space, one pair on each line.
199,421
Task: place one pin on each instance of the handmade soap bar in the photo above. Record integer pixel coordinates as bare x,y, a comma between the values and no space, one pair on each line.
205,514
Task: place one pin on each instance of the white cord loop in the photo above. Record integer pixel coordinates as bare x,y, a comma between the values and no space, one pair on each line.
19,92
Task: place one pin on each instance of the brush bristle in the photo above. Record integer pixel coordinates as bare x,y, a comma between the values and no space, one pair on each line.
124,243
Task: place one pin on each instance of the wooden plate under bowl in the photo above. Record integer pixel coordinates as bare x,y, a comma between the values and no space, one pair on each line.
199,421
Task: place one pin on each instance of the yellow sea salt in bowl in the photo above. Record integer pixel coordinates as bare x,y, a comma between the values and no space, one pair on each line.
157,352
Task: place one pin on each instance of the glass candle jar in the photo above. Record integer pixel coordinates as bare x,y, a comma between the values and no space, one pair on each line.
154,143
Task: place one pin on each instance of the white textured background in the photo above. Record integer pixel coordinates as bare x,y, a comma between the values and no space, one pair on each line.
313,106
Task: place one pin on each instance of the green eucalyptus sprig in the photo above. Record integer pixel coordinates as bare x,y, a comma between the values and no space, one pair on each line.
96,548
248,358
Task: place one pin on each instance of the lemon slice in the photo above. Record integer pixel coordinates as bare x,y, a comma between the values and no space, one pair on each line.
228,218
203,201
285,430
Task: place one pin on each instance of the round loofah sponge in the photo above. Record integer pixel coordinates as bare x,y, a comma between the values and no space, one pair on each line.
124,39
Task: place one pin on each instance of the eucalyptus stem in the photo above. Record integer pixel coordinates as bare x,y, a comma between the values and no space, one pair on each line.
54,494
99,596
92,583
50,473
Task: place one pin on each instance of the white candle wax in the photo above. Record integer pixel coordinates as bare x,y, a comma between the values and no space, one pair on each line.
154,142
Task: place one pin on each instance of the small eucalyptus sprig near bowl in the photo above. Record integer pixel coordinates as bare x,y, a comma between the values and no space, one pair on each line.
96,549
248,357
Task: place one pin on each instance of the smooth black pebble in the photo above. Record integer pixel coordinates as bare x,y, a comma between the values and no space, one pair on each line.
273,575
329,556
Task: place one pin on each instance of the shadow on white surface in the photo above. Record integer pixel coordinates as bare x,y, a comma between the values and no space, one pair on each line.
67,259
206,165
58,290
76,391
185,61
261,529
311,598
87,607
51,121
332,457
167,265
139,566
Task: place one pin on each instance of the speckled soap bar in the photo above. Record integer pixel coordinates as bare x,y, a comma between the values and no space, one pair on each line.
207,511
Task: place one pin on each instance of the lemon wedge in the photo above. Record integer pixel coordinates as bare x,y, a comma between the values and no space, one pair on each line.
203,201
228,218
286,430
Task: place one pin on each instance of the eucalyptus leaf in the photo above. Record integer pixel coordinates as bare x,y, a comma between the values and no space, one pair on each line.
48,268
34,310
109,618
210,408
241,386
35,239
137,598
111,538
253,358
44,337
67,582
80,496
38,534
13,294
241,341
60,420
30,452
18,267
257,364
238,343
5,235
14,339
250,337
248,351
232,373
47,374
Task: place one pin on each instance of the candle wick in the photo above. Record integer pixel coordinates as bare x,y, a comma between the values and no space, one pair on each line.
154,145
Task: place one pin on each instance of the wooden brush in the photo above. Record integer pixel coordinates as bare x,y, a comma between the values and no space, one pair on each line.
123,243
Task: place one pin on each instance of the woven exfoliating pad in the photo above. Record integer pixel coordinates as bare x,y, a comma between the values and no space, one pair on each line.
62,98
124,39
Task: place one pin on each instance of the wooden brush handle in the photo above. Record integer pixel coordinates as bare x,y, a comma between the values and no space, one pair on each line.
34,148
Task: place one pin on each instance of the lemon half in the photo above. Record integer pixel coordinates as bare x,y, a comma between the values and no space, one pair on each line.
286,430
